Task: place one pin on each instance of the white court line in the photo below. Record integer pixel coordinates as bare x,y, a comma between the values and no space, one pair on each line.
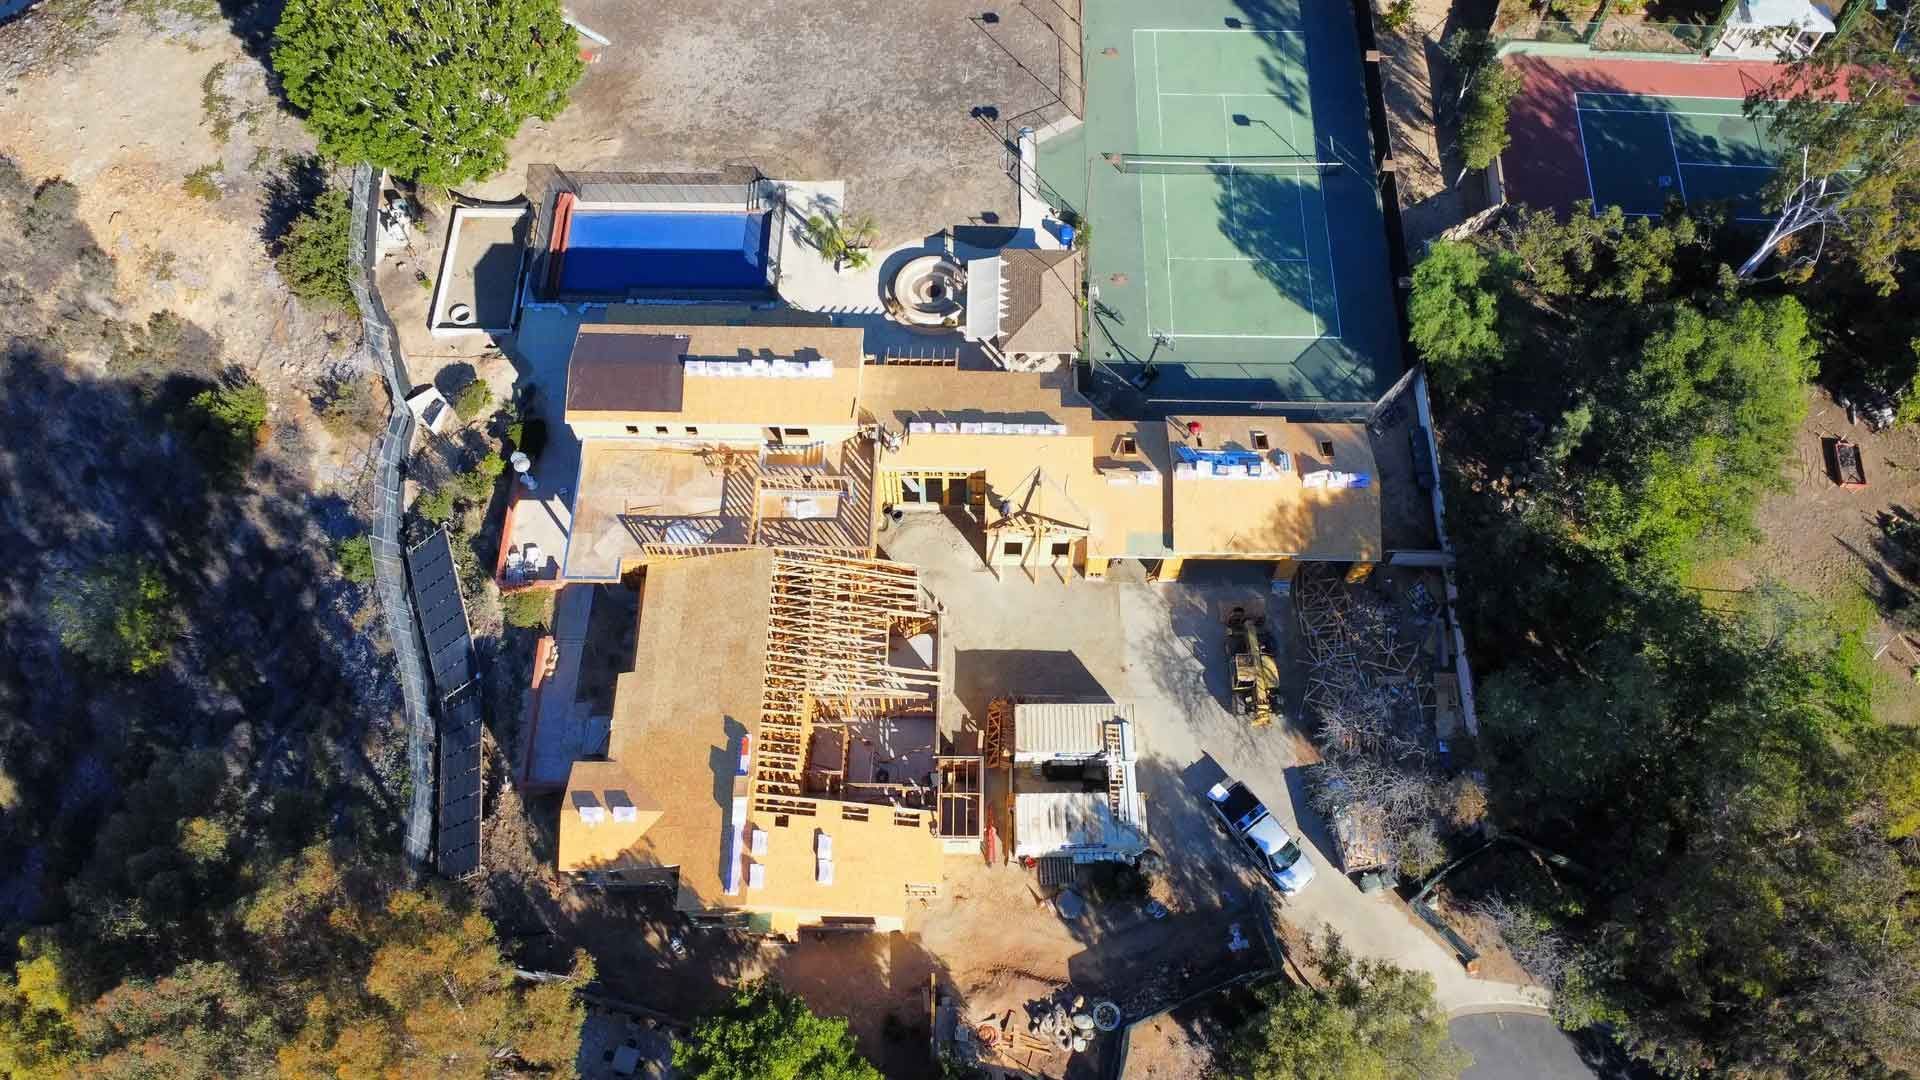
1143,212
1617,94
1208,30
1726,165
1228,258
1662,112
1333,279
1159,110
1168,227
1226,132
1300,201
1255,337
1220,94
1679,174
1585,159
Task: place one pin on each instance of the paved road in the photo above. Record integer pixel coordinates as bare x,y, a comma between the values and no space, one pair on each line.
1516,1046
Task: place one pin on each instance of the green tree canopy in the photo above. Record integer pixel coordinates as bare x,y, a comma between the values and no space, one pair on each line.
223,426
770,1034
1850,169
1717,766
121,615
431,91
313,256
1370,1020
1455,311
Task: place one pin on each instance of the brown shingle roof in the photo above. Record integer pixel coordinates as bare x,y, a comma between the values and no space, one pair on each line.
1042,297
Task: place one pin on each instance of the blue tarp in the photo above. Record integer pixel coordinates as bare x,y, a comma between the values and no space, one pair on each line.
611,252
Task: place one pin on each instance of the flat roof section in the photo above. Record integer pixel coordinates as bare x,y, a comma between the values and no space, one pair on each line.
478,287
1042,731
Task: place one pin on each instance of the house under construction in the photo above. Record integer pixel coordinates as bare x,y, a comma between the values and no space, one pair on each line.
698,439
773,757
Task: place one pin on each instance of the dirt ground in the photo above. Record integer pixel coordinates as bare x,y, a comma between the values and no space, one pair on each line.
904,99
1420,83
1827,540
202,102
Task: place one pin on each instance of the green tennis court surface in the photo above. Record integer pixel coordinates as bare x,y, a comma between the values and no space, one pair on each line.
1228,261
1643,150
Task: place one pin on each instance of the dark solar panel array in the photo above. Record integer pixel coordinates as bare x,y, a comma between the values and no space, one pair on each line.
443,618
460,783
443,625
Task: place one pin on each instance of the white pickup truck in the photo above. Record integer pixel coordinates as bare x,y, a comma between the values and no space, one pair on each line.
1274,848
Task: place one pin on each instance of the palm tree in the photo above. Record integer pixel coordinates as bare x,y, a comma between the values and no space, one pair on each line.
845,240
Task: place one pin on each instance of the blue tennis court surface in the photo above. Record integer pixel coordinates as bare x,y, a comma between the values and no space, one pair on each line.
614,252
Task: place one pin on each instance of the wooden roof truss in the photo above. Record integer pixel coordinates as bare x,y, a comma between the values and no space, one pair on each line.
829,623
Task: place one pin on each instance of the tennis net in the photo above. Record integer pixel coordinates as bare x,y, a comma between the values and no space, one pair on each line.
1287,164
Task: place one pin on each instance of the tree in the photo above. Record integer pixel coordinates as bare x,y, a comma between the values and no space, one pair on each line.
354,556
223,425
474,400
1483,115
433,997
770,1034
844,240
314,256
431,91
1844,117
1370,1020
121,615
1454,313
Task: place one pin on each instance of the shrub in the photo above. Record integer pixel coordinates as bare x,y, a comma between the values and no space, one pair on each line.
436,505
1398,16
353,406
528,609
474,400
53,206
200,183
354,556
122,616
166,344
223,426
314,257
529,436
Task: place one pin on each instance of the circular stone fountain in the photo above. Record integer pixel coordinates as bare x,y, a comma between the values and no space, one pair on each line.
927,291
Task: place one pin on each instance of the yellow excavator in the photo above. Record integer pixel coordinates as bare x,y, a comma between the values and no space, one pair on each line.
1256,675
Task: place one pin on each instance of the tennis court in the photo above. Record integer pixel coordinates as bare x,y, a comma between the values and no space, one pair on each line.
1239,249
1643,150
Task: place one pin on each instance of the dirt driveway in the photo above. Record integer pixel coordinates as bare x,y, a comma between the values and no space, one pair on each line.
903,99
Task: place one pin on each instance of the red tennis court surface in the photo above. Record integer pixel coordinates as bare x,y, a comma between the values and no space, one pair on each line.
1545,164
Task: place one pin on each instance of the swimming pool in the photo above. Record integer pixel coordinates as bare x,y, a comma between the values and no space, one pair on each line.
618,252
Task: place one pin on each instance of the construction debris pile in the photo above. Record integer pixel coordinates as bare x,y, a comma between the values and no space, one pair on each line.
1055,1027
1371,693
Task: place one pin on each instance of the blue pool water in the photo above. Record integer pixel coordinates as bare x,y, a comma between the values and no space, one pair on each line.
615,251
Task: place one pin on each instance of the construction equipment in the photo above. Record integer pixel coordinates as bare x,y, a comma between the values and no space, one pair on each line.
1256,676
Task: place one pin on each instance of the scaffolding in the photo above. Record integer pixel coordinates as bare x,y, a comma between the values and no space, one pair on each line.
830,621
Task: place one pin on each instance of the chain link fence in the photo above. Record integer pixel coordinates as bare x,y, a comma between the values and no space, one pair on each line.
382,345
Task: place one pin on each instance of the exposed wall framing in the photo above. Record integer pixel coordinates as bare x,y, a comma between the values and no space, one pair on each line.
961,791
829,621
